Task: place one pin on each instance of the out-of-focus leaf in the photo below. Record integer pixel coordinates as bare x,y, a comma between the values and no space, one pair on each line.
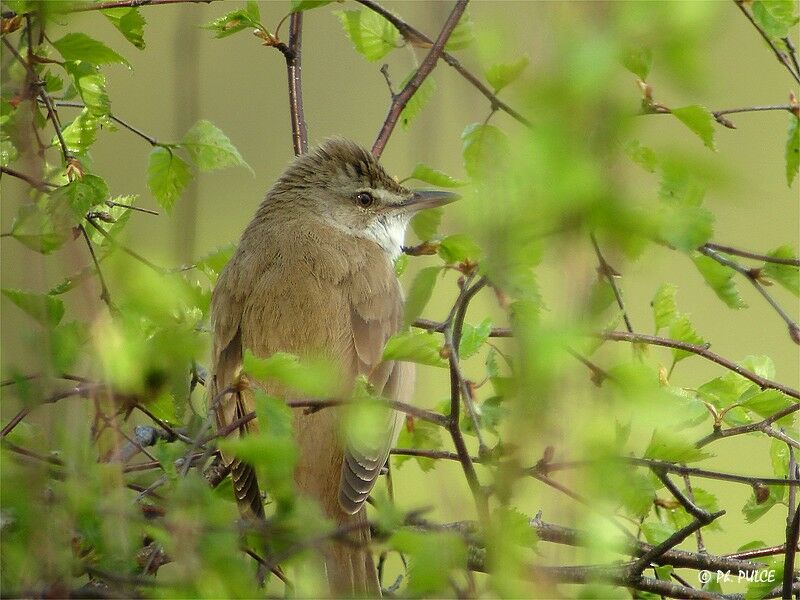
235,21
418,101
167,176
420,435
45,309
642,155
792,149
213,262
462,35
672,447
665,309
36,229
66,342
485,148
426,223
699,120
473,337
316,379
720,278
681,329
420,293
459,248
129,22
80,47
400,264
502,74
210,148
419,347
435,177
431,558
371,34
786,275
298,5
775,16
638,61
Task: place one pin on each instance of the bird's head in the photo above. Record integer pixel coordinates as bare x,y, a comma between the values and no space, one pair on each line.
343,185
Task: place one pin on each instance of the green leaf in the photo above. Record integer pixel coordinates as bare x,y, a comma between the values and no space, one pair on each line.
462,35
120,214
435,177
129,22
80,47
371,34
37,229
210,148
681,329
672,447
431,558
418,101
473,338
502,74
720,278
638,61
775,16
786,275
753,510
316,379
66,343
699,120
459,248
792,150
685,226
298,5
765,580
45,309
53,83
767,403
426,222
167,176
642,155
213,262
91,85
419,347
81,133
421,435
78,197
779,457
665,309
656,532
235,21
420,293
400,264
485,149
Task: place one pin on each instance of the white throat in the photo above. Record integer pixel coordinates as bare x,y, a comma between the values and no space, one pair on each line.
388,231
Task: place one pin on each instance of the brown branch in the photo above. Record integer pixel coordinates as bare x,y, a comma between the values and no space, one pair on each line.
416,37
105,296
125,249
400,100
792,534
293,72
39,185
117,4
762,382
607,271
757,553
427,324
793,262
775,50
149,138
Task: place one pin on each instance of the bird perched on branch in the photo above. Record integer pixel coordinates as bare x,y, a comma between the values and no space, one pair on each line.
313,276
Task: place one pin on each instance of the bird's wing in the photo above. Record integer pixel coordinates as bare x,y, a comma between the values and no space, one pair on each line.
376,313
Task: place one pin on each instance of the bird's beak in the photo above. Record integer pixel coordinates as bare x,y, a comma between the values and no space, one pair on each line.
429,199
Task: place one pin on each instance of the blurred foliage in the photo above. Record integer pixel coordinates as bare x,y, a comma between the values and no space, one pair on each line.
86,504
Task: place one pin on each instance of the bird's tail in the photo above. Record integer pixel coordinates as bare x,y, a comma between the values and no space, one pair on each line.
247,492
348,561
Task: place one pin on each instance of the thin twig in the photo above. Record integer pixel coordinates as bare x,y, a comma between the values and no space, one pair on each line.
607,271
793,262
401,99
293,72
149,138
125,249
105,296
39,185
775,50
116,4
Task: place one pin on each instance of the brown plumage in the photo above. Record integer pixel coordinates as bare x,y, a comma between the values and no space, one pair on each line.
313,276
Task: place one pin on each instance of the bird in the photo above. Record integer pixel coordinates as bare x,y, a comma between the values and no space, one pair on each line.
313,275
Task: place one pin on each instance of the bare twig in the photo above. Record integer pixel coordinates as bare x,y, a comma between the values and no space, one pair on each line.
125,249
34,183
775,50
293,72
116,4
429,325
607,271
401,99
793,262
105,296
149,138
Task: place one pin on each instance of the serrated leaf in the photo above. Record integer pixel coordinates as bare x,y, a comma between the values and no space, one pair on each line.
459,248
420,293
167,176
81,133
80,47
485,148
418,101
768,402
435,177
670,446
211,149
298,5
775,16
699,120
37,229
473,337
792,150
720,278
90,84
754,509
426,222
120,214
502,74
656,532
77,197
419,347
665,309
638,61
787,276
420,435
213,262
761,365
371,34
45,309
235,21
462,35
681,329
129,22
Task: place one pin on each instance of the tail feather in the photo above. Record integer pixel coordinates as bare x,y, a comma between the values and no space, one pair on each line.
349,565
246,490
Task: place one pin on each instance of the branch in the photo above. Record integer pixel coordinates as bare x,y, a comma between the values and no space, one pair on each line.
793,262
293,72
762,382
607,271
128,251
427,324
416,37
400,100
775,50
105,296
117,4
39,185
149,138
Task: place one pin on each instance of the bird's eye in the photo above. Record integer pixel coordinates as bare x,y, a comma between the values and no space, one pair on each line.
365,199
